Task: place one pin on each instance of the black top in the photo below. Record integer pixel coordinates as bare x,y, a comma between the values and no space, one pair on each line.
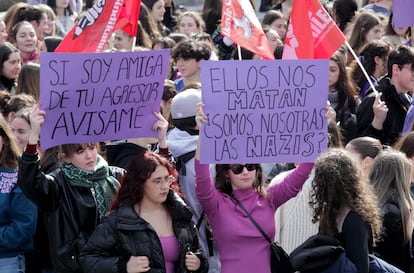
212,20
7,84
356,238
392,247
394,121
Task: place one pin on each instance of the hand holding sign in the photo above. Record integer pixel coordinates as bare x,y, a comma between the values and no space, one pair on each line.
330,113
161,126
111,96
200,117
264,111
37,118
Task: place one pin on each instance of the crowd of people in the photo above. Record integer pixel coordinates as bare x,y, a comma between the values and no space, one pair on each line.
149,204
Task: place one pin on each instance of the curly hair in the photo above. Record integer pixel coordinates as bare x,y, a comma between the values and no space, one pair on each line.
339,182
191,49
139,170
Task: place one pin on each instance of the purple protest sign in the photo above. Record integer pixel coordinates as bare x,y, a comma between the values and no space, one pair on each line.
264,111
91,97
403,13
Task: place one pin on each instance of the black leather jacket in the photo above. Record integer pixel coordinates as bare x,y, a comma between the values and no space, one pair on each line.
124,234
71,212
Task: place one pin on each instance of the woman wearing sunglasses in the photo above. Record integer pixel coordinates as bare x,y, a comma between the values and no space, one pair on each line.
242,248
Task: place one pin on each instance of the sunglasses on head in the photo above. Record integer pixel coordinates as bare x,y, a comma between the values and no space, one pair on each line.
238,168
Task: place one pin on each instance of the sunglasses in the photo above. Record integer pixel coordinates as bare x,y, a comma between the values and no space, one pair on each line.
238,168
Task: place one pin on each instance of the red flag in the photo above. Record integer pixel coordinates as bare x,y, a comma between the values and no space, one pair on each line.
312,34
128,19
239,23
94,29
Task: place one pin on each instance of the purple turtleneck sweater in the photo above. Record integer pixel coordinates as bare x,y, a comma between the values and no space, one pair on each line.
242,248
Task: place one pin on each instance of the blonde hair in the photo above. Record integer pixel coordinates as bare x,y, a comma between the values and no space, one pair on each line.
390,176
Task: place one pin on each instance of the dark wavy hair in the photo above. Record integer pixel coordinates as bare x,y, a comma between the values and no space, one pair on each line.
368,53
223,183
270,16
344,85
344,11
191,49
400,56
139,170
339,182
52,4
148,23
22,12
18,102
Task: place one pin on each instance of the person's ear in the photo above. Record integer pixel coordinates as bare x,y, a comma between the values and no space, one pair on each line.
366,163
10,116
395,69
34,23
377,60
65,158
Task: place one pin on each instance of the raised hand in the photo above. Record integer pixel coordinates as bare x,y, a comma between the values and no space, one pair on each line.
37,118
161,126
200,117
380,110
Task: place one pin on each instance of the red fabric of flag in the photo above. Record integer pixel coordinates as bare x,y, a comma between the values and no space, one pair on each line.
94,29
312,34
128,19
239,23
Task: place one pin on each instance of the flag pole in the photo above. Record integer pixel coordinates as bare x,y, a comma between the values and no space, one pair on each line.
134,40
361,66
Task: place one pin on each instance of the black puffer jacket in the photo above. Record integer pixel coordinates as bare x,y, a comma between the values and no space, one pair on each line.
70,212
124,234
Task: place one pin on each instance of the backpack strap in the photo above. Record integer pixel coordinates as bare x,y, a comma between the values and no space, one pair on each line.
182,160
209,233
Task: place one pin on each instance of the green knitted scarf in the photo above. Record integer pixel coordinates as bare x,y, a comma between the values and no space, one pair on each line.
105,185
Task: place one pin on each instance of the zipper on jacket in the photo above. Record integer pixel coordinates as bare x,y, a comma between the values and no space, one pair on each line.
96,206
